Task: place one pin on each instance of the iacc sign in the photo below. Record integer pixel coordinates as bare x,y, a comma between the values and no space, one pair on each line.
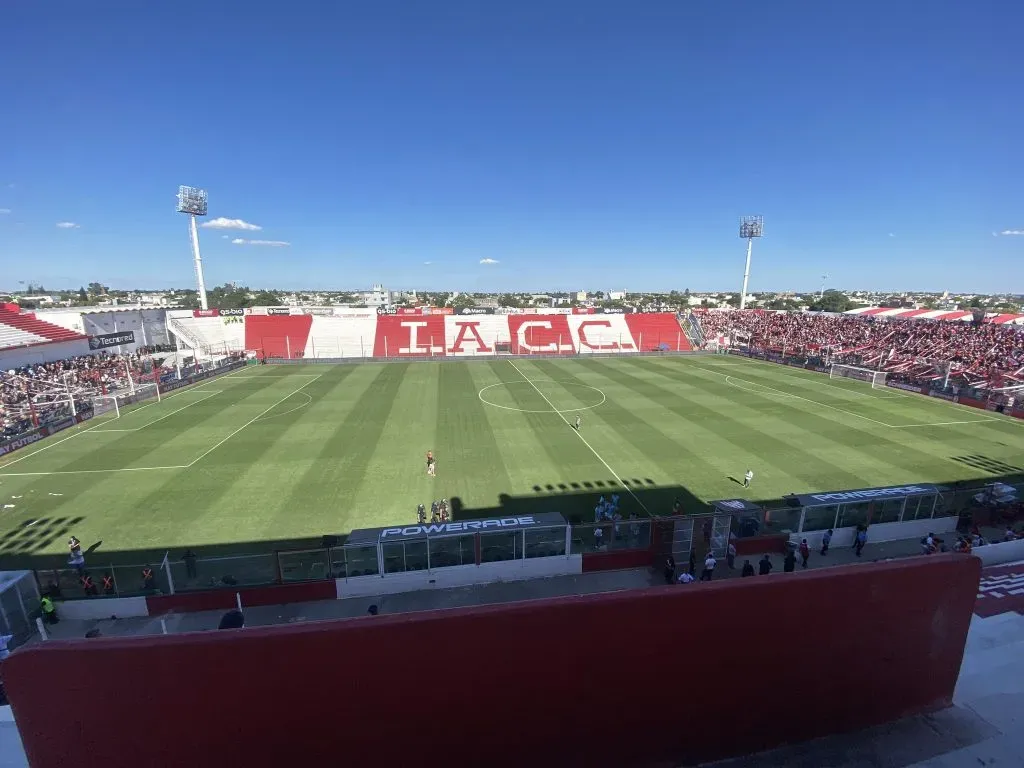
105,340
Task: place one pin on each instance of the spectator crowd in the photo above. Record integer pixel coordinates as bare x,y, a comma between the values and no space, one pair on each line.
976,354
34,395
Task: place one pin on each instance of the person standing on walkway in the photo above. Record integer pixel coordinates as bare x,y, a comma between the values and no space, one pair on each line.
748,569
826,539
764,567
670,569
861,540
730,556
709,567
49,611
805,553
789,562
747,478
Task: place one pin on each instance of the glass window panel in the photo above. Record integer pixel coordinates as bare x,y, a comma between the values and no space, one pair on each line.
497,546
820,518
546,542
308,565
944,508
451,550
782,520
853,514
887,511
354,561
394,557
416,555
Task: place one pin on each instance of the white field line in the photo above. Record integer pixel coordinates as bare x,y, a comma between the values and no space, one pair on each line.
729,379
165,416
581,437
218,444
813,377
943,423
87,471
887,396
48,445
732,379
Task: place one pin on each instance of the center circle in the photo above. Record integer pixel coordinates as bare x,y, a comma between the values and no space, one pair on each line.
541,389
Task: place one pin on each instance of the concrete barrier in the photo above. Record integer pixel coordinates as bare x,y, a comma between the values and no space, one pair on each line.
103,608
516,684
1000,554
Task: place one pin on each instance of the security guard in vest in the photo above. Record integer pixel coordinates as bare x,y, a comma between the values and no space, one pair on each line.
148,581
108,584
49,610
88,584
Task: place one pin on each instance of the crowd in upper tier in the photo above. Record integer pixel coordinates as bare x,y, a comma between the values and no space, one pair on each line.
976,354
36,394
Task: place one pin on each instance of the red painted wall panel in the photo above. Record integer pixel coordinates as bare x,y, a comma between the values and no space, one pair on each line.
813,653
613,561
651,331
268,334
225,598
409,336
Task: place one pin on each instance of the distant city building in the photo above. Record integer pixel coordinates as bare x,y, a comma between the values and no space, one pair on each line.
616,295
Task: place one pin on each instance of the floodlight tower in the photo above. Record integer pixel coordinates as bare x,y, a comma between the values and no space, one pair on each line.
750,227
824,279
192,201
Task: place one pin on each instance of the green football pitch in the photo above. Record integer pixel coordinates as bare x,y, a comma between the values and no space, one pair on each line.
279,456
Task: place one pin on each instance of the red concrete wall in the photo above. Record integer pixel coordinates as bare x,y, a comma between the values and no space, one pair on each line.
617,560
215,599
681,673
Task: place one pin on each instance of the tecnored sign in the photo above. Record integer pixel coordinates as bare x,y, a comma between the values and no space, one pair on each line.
278,311
105,340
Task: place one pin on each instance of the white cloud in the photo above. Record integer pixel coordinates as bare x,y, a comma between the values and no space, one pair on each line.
427,263
222,223
1012,232
271,243
4,211
488,261
891,235
225,237
66,225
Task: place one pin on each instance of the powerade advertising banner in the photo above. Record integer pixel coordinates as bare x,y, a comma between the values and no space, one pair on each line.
105,340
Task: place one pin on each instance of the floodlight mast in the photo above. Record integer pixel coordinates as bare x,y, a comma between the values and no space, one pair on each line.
750,227
192,201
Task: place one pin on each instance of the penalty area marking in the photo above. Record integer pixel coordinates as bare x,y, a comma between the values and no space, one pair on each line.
484,400
731,380
161,418
142,469
561,415
309,399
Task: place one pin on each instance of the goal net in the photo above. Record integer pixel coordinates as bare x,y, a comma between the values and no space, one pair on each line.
109,406
875,378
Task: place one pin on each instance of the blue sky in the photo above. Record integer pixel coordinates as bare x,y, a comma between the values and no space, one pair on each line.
577,144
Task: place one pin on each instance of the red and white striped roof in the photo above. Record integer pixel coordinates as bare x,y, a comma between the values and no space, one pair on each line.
935,314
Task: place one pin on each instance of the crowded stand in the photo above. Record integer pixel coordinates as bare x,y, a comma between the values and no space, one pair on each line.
35,395
978,355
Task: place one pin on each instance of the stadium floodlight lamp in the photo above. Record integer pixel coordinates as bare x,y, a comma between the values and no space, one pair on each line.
192,201
750,227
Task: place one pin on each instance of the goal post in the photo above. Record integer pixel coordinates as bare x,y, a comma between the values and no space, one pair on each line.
875,378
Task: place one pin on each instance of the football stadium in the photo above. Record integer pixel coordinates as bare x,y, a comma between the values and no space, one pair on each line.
400,440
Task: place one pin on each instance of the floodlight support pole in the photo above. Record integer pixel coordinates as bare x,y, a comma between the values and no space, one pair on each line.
746,273
198,259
